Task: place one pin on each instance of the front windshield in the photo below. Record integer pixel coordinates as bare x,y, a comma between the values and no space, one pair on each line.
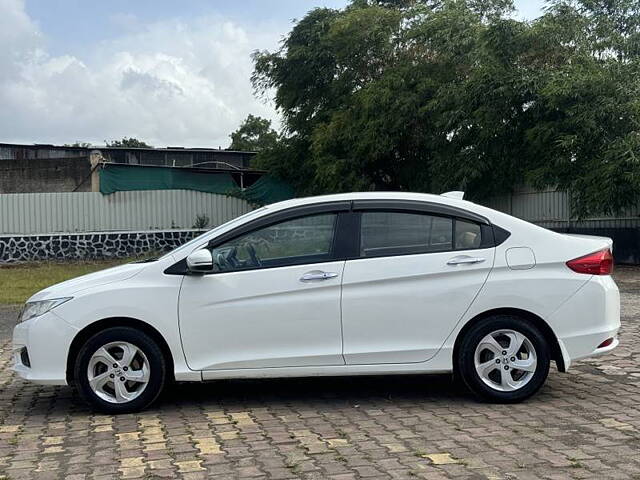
198,239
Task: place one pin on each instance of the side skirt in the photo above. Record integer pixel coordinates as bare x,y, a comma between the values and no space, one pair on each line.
328,371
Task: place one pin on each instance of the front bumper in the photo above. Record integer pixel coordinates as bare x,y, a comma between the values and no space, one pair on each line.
47,340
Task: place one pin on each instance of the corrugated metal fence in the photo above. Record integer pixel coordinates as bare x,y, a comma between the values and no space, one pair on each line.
27,213
552,209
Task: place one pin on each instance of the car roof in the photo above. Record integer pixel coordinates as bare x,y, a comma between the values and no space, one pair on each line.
494,216
503,220
424,197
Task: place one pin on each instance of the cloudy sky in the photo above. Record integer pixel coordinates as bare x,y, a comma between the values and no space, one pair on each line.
169,72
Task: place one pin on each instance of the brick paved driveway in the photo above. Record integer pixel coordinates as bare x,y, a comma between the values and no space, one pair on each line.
585,424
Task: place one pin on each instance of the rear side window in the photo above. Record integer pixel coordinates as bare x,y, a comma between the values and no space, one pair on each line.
398,233
468,235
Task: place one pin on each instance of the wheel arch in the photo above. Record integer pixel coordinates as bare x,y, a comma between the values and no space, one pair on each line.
540,323
87,332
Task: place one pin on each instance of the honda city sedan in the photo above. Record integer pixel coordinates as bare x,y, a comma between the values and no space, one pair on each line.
348,284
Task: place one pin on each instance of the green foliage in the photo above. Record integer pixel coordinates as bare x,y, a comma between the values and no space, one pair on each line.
254,135
128,143
202,222
78,144
436,95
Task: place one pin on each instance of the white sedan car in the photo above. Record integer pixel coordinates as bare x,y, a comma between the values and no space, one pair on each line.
349,284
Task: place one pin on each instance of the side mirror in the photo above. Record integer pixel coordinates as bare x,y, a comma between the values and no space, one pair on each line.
200,261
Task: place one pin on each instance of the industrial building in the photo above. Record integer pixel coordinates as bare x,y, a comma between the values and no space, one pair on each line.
41,168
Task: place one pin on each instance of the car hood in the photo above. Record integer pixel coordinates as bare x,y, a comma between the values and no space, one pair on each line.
75,285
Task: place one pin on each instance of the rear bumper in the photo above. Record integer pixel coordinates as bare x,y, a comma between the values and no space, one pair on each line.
587,319
607,349
47,340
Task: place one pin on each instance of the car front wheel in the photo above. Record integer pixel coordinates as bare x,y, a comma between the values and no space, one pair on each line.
120,370
504,359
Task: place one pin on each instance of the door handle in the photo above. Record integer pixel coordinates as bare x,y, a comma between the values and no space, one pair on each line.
465,260
317,275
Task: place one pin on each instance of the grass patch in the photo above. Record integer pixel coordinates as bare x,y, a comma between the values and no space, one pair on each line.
19,282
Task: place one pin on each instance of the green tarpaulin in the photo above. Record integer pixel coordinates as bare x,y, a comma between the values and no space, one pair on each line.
268,190
117,178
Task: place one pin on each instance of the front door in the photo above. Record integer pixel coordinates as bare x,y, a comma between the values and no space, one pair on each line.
275,301
415,277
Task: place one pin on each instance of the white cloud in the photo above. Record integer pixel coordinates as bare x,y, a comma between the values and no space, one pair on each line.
169,82
19,38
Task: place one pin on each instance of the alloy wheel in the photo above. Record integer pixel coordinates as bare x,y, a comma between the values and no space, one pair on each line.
505,360
118,372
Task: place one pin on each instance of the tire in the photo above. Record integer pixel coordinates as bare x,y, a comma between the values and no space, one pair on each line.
494,376
127,368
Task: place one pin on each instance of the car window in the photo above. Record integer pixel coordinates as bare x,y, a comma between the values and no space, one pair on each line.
199,239
468,235
292,242
398,233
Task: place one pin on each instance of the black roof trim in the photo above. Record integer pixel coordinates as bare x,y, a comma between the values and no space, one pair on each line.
291,213
281,216
419,206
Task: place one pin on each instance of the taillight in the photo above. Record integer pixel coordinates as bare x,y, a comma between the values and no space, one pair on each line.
598,263
606,343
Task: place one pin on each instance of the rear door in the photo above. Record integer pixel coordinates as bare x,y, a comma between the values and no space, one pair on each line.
416,274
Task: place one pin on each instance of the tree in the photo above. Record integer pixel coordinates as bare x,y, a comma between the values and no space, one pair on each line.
128,143
586,133
433,95
254,135
78,144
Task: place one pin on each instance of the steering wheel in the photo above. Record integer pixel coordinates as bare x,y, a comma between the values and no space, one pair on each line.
222,262
227,260
232,258
254,257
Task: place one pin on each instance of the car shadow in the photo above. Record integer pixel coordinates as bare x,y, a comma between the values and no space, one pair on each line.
359,390
317,392
321,393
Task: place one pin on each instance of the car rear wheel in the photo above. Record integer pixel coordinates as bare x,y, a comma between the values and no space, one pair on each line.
503,359
120,370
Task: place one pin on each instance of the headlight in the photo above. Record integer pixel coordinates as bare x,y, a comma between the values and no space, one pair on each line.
40,307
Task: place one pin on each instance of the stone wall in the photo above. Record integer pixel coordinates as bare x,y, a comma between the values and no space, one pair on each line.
90,246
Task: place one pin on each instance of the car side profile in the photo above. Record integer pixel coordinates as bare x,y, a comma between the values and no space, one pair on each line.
348,284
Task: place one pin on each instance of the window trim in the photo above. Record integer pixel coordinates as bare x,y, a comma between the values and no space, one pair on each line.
417,206
410,212
330,255
486,231
279,217
180,268
346,241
